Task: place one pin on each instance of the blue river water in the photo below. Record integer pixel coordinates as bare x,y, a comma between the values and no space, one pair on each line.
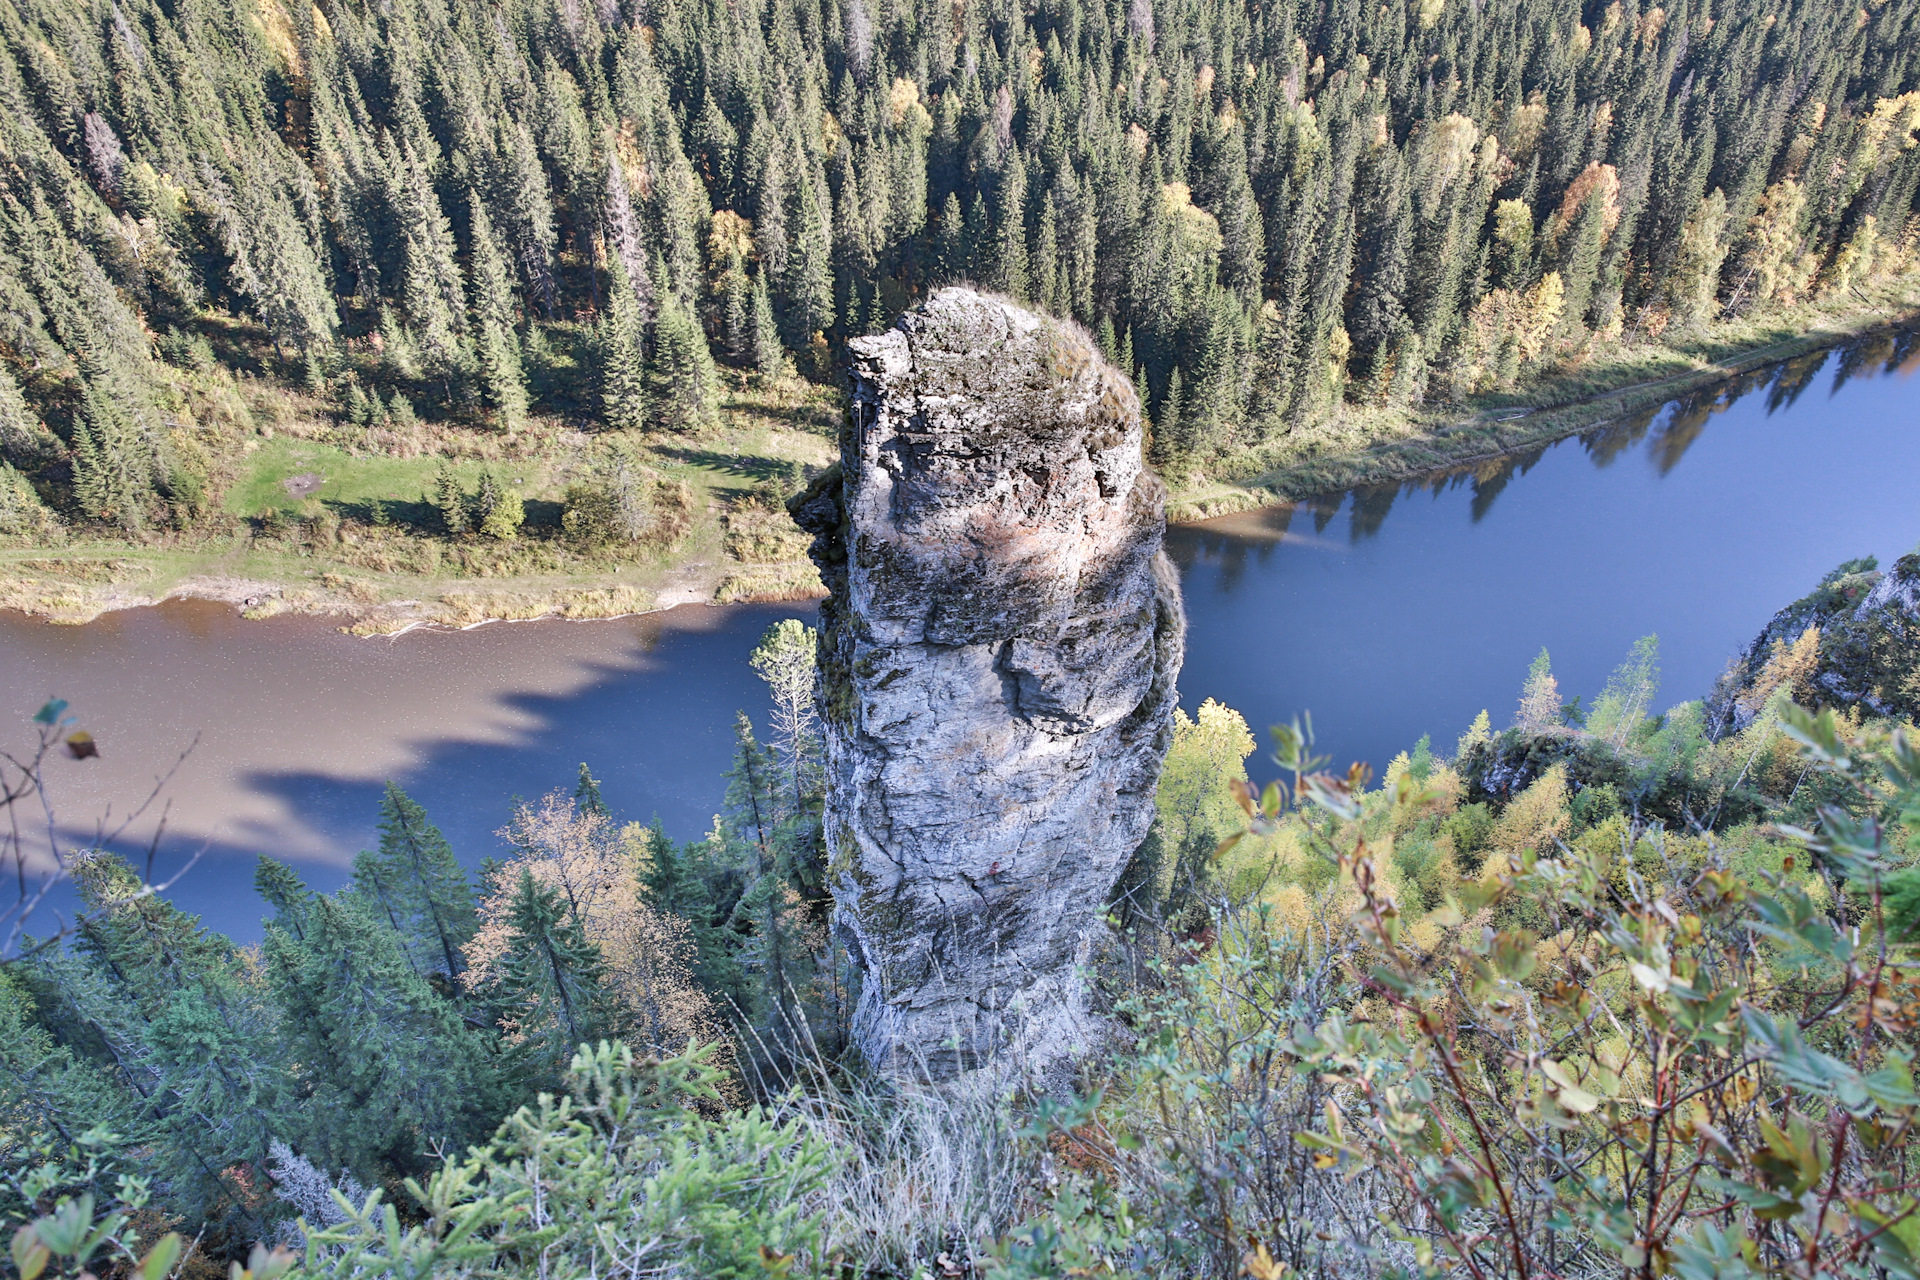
1387,613
1401,610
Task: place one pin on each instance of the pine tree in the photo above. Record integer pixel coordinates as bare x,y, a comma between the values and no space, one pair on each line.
552,992
414,881
624,394
499,349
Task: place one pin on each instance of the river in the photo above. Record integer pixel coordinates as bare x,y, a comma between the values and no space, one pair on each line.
1387,612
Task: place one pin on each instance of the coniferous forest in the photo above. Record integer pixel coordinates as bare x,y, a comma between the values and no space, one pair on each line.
457,230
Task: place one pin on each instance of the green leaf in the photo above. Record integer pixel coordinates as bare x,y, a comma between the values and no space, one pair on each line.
1565,1091
1652,979
1805,1067
160,1259
50,714
29,1255
65,1230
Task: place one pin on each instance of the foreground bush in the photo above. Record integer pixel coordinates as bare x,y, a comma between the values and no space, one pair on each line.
627,1175
1576,1068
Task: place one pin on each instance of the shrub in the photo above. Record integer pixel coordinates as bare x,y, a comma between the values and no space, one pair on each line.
22,515
1686,1070
508,514
632,1173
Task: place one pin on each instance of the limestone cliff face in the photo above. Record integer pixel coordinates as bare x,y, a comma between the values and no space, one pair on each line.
998,662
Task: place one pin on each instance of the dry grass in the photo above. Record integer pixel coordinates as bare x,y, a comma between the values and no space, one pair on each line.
795,580
604,602
756,535
920,1172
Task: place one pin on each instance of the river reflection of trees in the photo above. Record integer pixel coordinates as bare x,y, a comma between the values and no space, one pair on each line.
1667,430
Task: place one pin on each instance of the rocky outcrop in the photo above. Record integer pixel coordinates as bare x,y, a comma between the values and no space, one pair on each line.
998,658
1864,626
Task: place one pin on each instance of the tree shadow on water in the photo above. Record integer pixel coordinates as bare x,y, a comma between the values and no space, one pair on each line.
658,735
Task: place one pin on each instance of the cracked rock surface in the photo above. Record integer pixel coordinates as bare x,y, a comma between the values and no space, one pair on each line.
998,661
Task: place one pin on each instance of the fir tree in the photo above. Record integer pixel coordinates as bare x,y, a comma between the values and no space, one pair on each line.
414,881
624,393
552,993
499,349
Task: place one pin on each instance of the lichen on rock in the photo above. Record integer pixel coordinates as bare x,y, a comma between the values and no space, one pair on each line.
998,659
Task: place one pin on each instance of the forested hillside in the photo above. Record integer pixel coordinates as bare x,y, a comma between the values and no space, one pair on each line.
436,221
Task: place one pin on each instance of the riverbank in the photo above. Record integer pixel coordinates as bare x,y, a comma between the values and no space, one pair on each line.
736,546
308,524
79,582
1378,447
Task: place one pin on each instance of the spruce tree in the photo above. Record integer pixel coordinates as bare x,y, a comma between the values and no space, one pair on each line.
113,461
486,500
450,500
624,393
950,252
1170,443
768,354
387,1069
552,987
685,391
586,793
415,883
174,1012
1009,272
1049,289
499,349
764,840
24,441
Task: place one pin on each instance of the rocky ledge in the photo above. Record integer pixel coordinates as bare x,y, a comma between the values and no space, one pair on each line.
998,658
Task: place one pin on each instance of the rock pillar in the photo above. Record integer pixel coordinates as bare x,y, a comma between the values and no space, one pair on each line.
998,660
